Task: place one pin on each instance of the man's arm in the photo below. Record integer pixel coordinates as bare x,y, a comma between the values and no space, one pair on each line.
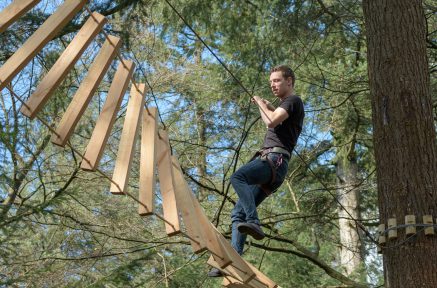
271,117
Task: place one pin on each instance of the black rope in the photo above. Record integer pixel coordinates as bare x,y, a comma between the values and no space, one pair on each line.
246,132
209,49
151,90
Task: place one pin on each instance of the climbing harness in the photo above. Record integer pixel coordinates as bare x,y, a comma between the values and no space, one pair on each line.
263,154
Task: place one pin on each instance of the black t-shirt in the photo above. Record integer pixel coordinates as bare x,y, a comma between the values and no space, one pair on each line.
285,135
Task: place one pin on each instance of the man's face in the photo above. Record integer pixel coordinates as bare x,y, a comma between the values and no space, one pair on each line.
280,86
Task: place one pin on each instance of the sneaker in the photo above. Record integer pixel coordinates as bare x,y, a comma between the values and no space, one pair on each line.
214,272
252,229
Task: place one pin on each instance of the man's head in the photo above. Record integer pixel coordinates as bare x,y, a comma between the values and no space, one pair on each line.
282,81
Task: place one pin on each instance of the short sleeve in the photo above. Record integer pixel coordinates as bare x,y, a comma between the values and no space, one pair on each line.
287,105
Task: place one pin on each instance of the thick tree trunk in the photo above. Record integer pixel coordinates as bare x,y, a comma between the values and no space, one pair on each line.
351,248
404,135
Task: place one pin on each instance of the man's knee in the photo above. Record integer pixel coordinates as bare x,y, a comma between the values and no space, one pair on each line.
237,178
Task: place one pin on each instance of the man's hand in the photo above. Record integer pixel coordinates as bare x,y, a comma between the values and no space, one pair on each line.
258,100
270,115
269,105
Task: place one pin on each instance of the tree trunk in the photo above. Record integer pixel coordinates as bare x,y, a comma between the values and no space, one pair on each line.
404,135
201,131
201,158
351,248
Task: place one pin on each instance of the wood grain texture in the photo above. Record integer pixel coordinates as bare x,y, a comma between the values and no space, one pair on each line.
14,11
404,134
261,277
239,266
212,241
233,271
104,124
63,65
129,135
148,161
165,174
86,91
38,40
186,208
231,282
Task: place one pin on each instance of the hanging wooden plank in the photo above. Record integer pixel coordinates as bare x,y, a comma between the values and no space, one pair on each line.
211,240
96,145
39,38
240,267
63,65
14,11
129,134
232,273
86,91
165,174
261,277
241,277
148,161
187,209
231,282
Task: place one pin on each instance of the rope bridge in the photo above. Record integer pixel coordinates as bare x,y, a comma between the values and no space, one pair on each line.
178,201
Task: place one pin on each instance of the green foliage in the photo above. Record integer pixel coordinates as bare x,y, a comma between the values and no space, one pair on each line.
64,229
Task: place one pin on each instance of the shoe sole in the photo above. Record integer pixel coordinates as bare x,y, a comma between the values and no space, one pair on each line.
216,274
251,232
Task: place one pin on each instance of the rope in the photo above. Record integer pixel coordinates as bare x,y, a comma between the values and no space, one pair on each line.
137,88
100,171
245,134
209,49
124,192
130,76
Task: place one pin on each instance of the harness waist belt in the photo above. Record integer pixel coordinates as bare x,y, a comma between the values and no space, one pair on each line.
277,150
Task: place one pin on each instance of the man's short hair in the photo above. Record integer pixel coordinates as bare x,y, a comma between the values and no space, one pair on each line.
286,72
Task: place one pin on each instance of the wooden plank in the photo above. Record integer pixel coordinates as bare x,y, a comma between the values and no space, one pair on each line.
186,208
39,39
63,65
14,11
165,174
260,280
234,275
239,267
148,161
427,219
96,145
86,91
212,242
261,277
241,276
231,282
128,138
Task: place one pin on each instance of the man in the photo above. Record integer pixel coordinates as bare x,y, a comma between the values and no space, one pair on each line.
256,180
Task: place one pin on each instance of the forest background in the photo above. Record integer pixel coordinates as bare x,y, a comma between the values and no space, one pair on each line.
60,226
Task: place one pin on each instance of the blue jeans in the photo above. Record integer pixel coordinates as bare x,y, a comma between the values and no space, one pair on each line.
246,181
